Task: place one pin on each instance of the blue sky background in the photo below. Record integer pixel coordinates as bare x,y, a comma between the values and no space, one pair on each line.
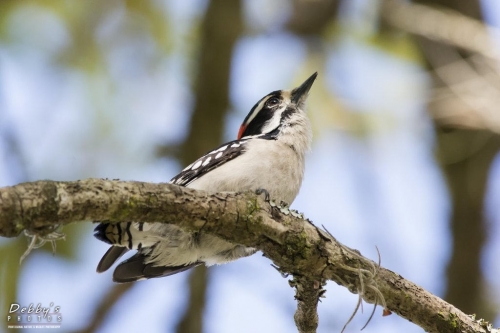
375,187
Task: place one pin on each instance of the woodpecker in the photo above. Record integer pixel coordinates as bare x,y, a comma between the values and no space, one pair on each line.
268,154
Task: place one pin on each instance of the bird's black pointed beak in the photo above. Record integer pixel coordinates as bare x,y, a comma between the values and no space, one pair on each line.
299,94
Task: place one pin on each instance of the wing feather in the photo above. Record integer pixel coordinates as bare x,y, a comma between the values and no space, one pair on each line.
210,161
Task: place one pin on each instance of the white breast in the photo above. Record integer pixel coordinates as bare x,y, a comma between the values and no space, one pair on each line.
267,164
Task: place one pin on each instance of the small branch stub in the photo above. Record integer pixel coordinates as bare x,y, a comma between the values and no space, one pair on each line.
307,295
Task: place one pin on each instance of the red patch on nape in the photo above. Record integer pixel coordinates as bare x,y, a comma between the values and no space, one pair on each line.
240,132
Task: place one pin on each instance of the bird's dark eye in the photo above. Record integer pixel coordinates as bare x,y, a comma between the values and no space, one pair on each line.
272,102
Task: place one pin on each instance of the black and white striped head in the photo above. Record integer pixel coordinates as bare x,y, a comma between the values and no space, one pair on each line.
274,109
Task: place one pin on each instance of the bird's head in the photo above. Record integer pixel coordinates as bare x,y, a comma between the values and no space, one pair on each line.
275,109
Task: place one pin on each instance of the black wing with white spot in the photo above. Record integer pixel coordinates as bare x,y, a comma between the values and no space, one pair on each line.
210,161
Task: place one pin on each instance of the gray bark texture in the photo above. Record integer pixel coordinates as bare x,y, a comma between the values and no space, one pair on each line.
294,244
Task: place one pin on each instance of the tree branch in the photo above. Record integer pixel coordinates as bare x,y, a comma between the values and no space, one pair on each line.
295,245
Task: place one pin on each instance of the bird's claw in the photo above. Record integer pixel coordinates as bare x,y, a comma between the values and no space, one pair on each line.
283,274
266,193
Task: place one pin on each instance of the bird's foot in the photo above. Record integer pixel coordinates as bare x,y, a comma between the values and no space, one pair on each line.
283,273
266,193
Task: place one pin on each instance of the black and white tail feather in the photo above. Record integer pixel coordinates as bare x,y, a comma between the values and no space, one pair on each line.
268,154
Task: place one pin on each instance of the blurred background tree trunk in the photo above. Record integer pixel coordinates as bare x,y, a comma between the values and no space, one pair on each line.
465,156
221,28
